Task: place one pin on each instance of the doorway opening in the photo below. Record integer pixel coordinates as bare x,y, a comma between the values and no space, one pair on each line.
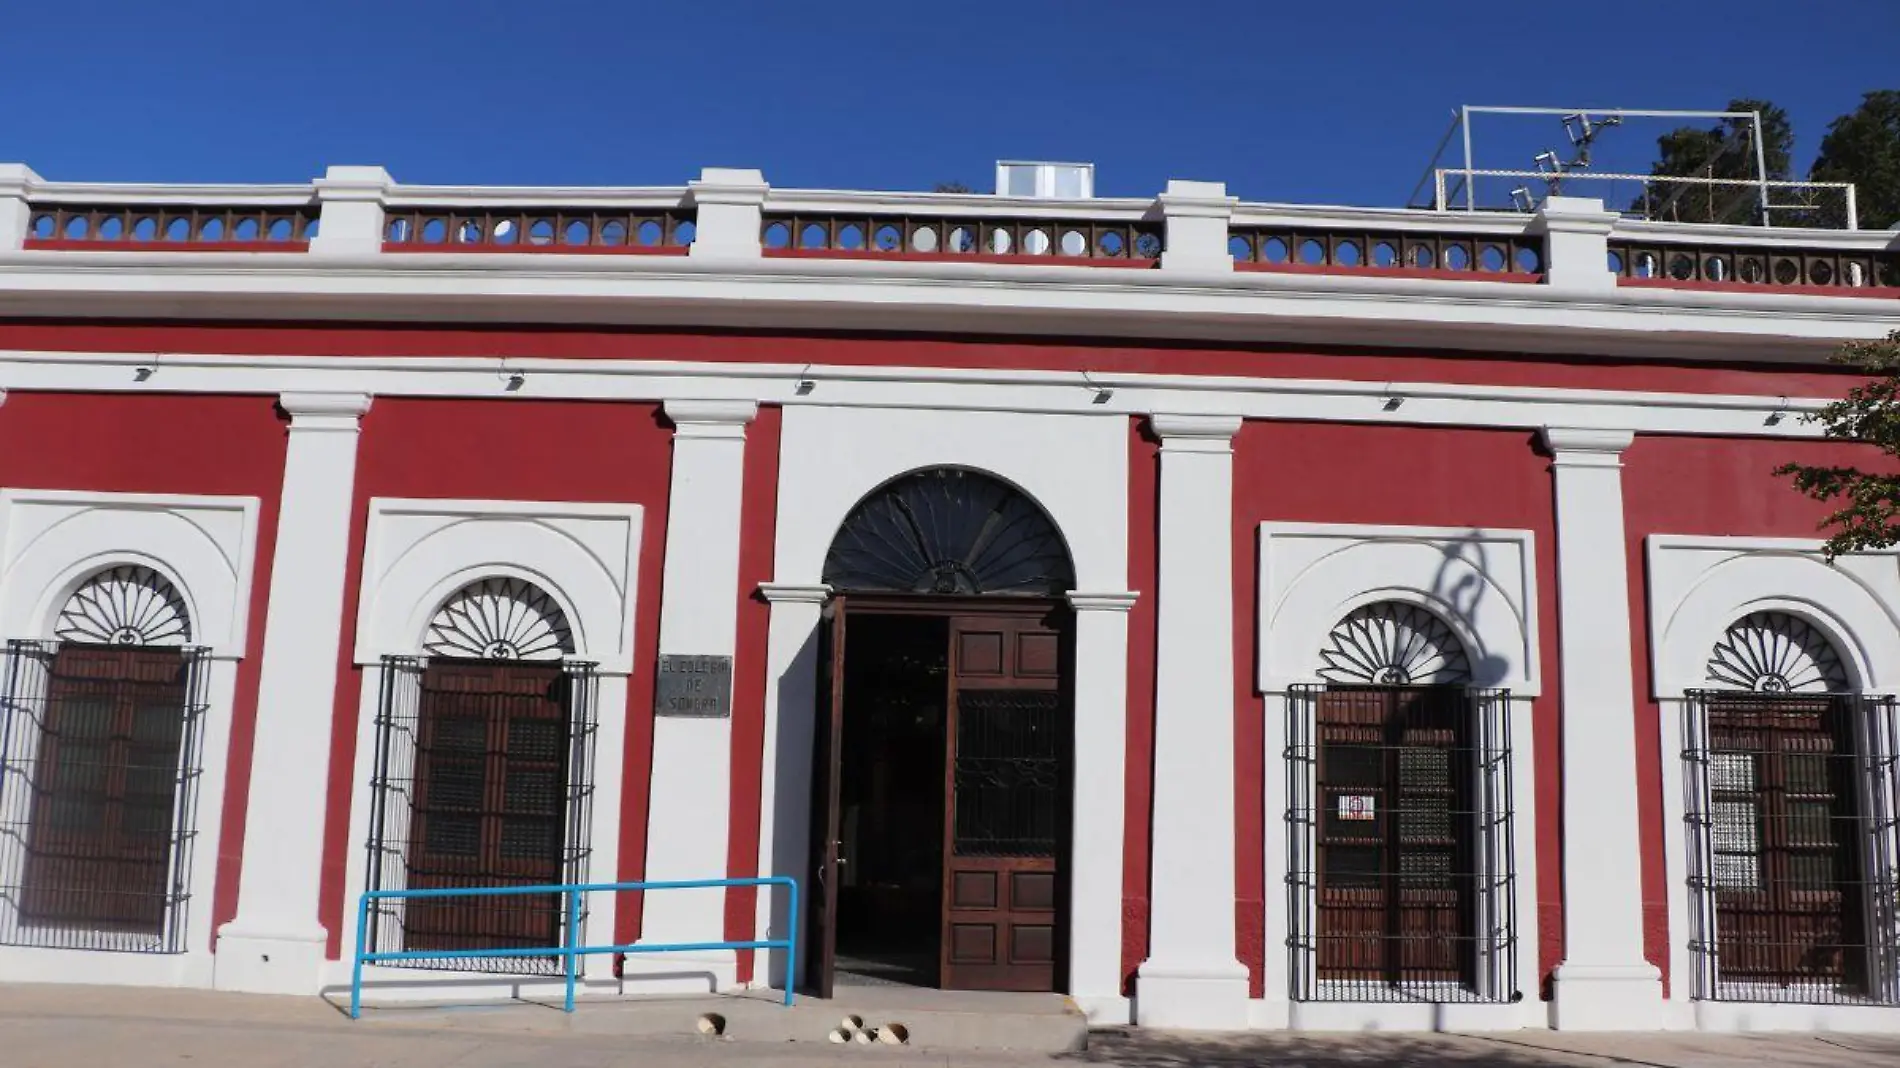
942,738
891,800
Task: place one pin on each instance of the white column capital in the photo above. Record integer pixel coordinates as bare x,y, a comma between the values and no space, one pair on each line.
354,183
1575,215
1102,602
710,418
325,411
728,185
794,593
1586,446
1195,433
1201,200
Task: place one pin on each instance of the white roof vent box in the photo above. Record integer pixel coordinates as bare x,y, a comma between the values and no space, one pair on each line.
1061,181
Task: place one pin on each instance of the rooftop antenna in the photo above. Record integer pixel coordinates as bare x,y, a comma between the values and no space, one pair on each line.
1583,132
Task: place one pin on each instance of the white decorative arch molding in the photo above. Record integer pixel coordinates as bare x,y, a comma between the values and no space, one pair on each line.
424,557
1700,587
1074,467
1477,584
92,566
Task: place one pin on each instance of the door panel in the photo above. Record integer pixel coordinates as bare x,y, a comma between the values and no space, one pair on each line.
827,758
1395,862
1006,770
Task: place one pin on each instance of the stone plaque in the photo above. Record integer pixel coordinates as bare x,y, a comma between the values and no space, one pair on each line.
693,686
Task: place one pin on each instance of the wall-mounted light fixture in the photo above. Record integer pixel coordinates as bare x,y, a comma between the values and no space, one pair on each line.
1775,417
1103,394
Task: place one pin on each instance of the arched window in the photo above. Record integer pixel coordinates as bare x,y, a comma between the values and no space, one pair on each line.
108,762
484,776
1779,815
1400,812
948,530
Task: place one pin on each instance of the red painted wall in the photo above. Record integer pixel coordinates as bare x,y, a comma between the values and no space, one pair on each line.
1689,485
1144,487
515,449
758,527
1399,476
168,444
1096,355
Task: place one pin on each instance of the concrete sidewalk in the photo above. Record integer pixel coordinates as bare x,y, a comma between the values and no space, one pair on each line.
60,1026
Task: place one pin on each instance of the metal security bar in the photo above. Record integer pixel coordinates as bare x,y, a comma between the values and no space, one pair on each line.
1401,866
1011,748
100,760
1791,809
569,950
484,778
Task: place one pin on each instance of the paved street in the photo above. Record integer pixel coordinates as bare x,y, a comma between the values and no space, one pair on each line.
59,1027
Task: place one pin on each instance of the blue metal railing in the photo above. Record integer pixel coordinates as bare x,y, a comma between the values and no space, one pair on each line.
569,951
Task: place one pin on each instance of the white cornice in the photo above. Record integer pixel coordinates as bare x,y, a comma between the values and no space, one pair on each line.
832,294
679,381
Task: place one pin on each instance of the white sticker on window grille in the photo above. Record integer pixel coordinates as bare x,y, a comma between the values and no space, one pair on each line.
1355,807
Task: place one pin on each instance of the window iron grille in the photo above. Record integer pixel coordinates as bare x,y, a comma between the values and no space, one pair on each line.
100,763
1401,864
1011,749
1792,818
483,776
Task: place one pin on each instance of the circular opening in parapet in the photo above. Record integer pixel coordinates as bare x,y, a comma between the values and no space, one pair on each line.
712,1025
894,1034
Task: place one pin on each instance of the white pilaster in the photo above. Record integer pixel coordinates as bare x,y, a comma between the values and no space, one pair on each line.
352,204
1098,812
275,944
1576,243
16,188
1192,978
1197,216
730,203
1604,982
688,817
791,686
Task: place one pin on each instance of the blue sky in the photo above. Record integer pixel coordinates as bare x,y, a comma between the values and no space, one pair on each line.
1337,102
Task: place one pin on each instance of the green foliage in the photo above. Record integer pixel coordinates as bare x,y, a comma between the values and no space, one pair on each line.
1725,150
1867,504
1863,147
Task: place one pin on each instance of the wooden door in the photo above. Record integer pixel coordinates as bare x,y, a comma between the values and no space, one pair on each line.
1786,863
106,786
821,928
1395,856
491,803
1006,820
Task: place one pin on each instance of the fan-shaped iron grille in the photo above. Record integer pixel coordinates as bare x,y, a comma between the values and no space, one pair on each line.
125,605
1393,644
949,531
1774,652
500,619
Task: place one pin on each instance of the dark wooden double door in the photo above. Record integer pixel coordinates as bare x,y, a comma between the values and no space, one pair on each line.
1006,734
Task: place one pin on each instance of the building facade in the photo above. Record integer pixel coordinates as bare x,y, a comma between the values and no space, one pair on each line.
1231,615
